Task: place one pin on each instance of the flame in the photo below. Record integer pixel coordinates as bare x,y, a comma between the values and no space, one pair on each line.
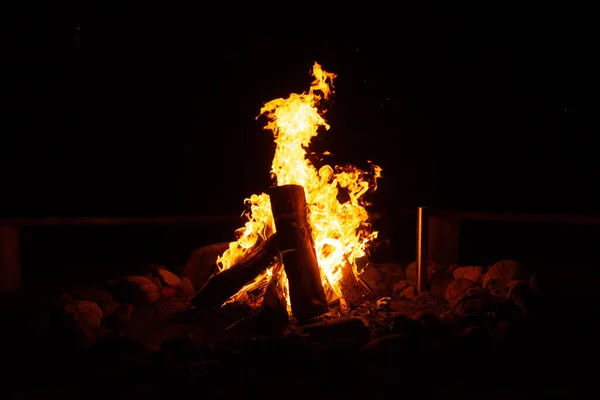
340,229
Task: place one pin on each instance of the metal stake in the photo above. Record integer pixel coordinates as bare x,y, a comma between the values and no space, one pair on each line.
422,241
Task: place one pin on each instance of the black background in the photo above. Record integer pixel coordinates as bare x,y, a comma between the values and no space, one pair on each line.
117,108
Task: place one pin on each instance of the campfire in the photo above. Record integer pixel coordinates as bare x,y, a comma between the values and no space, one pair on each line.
298,251
305,283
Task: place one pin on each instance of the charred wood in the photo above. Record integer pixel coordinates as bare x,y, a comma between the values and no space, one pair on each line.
273,316
353,292
295,242
223,285
333,299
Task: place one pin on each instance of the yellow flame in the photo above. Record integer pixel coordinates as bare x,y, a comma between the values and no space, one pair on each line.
340,229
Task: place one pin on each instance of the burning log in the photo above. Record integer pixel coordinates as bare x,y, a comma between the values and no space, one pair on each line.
225,284
295,242
332,298
273,315
352,290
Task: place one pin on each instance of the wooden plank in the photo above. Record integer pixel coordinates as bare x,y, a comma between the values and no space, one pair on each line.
443,240
568,219
52,221
10,267
422,253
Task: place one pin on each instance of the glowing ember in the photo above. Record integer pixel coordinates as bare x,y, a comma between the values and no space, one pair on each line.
340,230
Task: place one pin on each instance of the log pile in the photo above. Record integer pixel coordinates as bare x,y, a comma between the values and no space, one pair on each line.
290,252
225,284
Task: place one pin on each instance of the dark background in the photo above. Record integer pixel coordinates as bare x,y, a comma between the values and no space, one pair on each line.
119,108
114,108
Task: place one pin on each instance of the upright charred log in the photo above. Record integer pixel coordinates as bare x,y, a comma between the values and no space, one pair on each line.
295,242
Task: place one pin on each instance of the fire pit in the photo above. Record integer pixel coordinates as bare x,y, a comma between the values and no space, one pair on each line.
296,289
300,242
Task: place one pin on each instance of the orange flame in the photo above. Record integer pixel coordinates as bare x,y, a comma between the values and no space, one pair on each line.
340,229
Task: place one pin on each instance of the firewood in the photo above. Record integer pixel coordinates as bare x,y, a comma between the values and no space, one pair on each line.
352,291
273,315
333,299
295,242
223,285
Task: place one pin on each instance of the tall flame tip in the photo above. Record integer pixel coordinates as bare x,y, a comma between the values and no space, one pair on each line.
340,228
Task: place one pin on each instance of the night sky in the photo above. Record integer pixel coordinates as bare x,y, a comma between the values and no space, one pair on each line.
118,109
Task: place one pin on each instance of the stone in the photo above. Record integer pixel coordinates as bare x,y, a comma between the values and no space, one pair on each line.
168,278
202,263
374,279
484,303
505,271
408,293
185,289
387,343
91,294
457,288
120,317
392,274
473,274
167,292
400,286
390,269
474,340
424,298
154,268
432,345
497,287
340,349
517,282
155,279
85,336
109,307
452,267
436,268
348,327
396,343
88,312
432,268
61,301
504,332
392,279
185,349
122,350
533,282
84,318
439,284
426,320
524,297
125,312
137,290
402,324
